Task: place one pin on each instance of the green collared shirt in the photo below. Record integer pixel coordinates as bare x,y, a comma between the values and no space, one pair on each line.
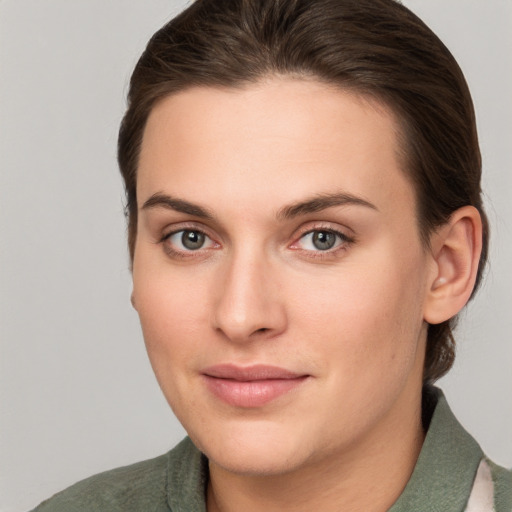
451,475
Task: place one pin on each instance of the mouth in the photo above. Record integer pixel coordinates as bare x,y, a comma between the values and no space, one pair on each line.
252,386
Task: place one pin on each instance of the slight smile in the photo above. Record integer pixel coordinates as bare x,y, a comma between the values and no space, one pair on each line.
252,386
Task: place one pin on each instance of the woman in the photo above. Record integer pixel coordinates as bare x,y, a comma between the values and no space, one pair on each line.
305,223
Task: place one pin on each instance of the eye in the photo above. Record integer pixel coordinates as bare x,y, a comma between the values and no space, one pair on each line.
321,240
187,240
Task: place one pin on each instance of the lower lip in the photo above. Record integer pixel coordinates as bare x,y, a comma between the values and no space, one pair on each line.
255,393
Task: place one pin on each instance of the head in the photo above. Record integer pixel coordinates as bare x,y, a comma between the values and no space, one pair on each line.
303,199
376,49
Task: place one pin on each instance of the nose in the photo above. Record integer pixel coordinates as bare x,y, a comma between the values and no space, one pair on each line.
248,302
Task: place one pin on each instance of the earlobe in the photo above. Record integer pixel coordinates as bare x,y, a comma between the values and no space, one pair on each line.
132,300
456,248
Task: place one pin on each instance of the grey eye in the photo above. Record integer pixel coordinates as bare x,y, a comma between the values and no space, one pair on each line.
319,240
187,242
323,240
192,240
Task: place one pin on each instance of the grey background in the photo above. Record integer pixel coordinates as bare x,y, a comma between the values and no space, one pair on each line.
77,393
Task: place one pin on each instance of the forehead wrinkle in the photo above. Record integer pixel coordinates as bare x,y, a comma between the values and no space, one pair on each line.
321,202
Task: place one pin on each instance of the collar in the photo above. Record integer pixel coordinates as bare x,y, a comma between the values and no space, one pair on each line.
446,468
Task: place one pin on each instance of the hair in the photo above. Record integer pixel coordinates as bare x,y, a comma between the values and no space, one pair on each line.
375,48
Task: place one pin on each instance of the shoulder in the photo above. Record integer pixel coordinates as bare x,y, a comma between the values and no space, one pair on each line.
175,480
452,470
140,486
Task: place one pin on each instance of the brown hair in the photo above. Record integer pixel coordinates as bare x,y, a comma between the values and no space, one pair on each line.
374,47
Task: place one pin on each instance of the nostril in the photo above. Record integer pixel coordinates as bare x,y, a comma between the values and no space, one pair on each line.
262,330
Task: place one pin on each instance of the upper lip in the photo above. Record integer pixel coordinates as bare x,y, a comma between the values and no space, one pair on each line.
250,373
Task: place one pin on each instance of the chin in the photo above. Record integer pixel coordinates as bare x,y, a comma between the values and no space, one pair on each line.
259,448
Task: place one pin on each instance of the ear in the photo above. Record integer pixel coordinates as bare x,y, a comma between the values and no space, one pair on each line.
132,300
456,248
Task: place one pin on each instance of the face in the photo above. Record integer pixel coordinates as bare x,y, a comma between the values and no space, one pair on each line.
278,272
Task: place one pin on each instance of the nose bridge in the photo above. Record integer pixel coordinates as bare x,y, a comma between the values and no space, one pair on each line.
248,303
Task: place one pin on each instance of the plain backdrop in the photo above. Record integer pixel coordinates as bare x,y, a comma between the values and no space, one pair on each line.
77,393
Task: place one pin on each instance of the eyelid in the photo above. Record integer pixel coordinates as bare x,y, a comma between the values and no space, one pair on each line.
346,240
185,226
339,234
207,239
178,253
311,227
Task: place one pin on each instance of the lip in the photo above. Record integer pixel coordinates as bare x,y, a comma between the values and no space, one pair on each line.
250,386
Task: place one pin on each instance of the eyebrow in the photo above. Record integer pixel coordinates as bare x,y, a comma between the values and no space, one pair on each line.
322,202
312,205
160,200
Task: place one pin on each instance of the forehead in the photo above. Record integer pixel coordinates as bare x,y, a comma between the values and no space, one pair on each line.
280,134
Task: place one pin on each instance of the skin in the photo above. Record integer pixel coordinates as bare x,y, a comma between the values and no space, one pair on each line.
351,318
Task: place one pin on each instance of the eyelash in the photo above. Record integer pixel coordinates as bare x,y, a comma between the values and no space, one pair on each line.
184,254
343,240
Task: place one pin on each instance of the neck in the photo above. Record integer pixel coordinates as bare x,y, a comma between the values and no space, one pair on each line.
369,477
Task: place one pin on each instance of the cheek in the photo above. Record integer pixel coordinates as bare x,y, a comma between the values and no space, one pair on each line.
367,317
171,328
170,317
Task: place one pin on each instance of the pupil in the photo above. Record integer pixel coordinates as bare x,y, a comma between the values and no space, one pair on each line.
324,240
192,239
